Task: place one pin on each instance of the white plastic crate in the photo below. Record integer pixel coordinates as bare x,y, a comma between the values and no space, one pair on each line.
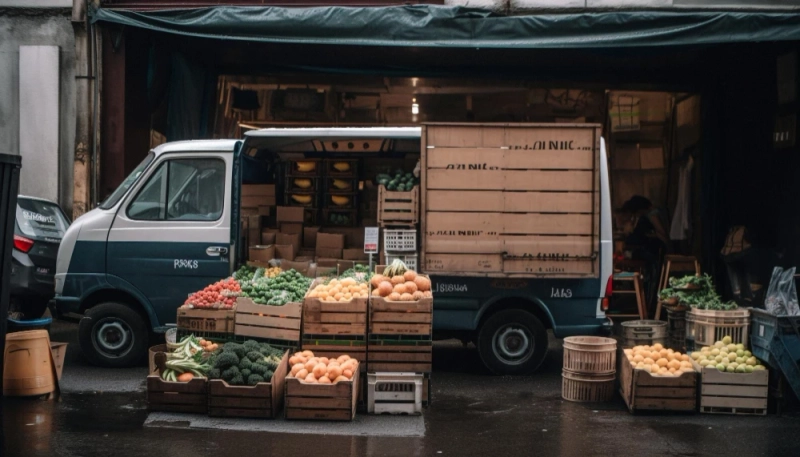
408,259
394,393
400,240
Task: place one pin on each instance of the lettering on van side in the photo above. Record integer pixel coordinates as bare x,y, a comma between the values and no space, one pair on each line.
560,293
185,264
471,166
547,146
460,233
445,287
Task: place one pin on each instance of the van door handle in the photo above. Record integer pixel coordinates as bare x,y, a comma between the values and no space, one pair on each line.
216,251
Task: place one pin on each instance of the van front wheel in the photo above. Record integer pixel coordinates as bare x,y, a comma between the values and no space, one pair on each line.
113,335
512,341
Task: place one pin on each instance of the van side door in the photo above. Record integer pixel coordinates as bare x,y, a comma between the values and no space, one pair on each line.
172,235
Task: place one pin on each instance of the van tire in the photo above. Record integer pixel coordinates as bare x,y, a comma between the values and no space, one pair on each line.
113,335
511,342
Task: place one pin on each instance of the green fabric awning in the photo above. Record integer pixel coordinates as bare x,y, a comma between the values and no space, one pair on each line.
439,26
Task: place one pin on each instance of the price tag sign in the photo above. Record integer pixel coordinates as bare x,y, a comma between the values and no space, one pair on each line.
370,240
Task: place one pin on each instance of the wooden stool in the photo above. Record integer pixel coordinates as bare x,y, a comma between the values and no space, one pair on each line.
675,264
638,290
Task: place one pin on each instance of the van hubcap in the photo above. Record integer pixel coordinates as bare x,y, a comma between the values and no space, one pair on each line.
512,344
112,337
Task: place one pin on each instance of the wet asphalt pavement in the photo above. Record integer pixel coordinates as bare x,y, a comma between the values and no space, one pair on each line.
103,412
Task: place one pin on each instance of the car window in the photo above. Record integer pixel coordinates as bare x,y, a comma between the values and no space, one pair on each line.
40,219
182,189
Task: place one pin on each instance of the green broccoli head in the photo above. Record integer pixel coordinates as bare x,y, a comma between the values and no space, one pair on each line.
225,360
245,363
214,373
245,373
236,348
230,373
254,379
255,356
259,368
237,380
251,345
268,375
271,364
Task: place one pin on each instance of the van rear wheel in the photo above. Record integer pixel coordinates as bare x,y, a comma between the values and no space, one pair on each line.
113,335
512,341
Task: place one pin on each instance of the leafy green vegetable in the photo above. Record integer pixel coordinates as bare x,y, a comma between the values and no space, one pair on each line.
696,292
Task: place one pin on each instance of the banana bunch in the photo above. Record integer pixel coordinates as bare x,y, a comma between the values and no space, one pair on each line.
302,199
341,184
302,183
341,166
305,167
340,200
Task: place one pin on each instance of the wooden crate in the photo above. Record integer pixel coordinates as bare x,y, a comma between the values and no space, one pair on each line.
263,400
400,318
274,323
326,318
206,321
398,208
322,402
176,397
643,391
733,393
414,356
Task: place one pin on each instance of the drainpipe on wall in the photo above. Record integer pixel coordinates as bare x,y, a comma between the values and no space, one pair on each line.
82,164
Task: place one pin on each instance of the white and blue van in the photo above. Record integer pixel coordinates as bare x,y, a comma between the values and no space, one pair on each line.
172,227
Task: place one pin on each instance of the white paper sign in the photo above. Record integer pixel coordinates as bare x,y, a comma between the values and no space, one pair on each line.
370,240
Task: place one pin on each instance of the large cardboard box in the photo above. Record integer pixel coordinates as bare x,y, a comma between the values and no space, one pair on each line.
285,251
258,195
310,237
353,236
292,227
268,236
251,226
262,253
290,214
328,262
329,253
289,238
301,267
330,240
354,254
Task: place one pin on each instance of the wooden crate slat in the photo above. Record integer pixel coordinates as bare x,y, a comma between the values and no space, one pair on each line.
400,329
736,411
671,404
421,306
420,367
508,158
517,180
295,388
734,391
206,320
424,318
733,402
248,306
179,397
333,329
318,402
666,392
268,321
271,333
393,356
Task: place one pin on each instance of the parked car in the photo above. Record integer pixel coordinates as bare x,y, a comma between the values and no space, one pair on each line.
38,229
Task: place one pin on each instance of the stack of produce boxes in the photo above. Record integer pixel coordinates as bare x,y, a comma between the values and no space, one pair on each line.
303,188
400,323
340,193
335,315
398,215
210,312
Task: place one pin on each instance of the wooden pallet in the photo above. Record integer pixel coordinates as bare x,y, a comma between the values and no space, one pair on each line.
335,402
399,209
400,318
277,323
643,391
207,321
176,397
263,400
733,393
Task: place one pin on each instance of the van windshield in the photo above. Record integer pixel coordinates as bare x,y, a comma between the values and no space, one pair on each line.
128,182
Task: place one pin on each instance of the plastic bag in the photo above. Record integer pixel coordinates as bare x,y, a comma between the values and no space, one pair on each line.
781,297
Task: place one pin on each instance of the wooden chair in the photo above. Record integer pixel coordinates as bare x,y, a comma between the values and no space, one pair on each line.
675,264
638,291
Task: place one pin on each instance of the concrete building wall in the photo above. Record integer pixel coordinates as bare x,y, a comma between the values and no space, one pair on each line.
40,27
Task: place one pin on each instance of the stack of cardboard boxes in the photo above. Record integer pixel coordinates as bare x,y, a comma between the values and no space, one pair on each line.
258,201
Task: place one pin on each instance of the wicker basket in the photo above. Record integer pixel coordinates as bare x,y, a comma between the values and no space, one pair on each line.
587,388
590,355
705,327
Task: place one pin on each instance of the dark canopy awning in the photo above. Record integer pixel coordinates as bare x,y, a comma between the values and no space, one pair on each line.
439,26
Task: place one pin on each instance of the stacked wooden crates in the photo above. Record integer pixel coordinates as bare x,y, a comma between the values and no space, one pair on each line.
400,339
340,192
